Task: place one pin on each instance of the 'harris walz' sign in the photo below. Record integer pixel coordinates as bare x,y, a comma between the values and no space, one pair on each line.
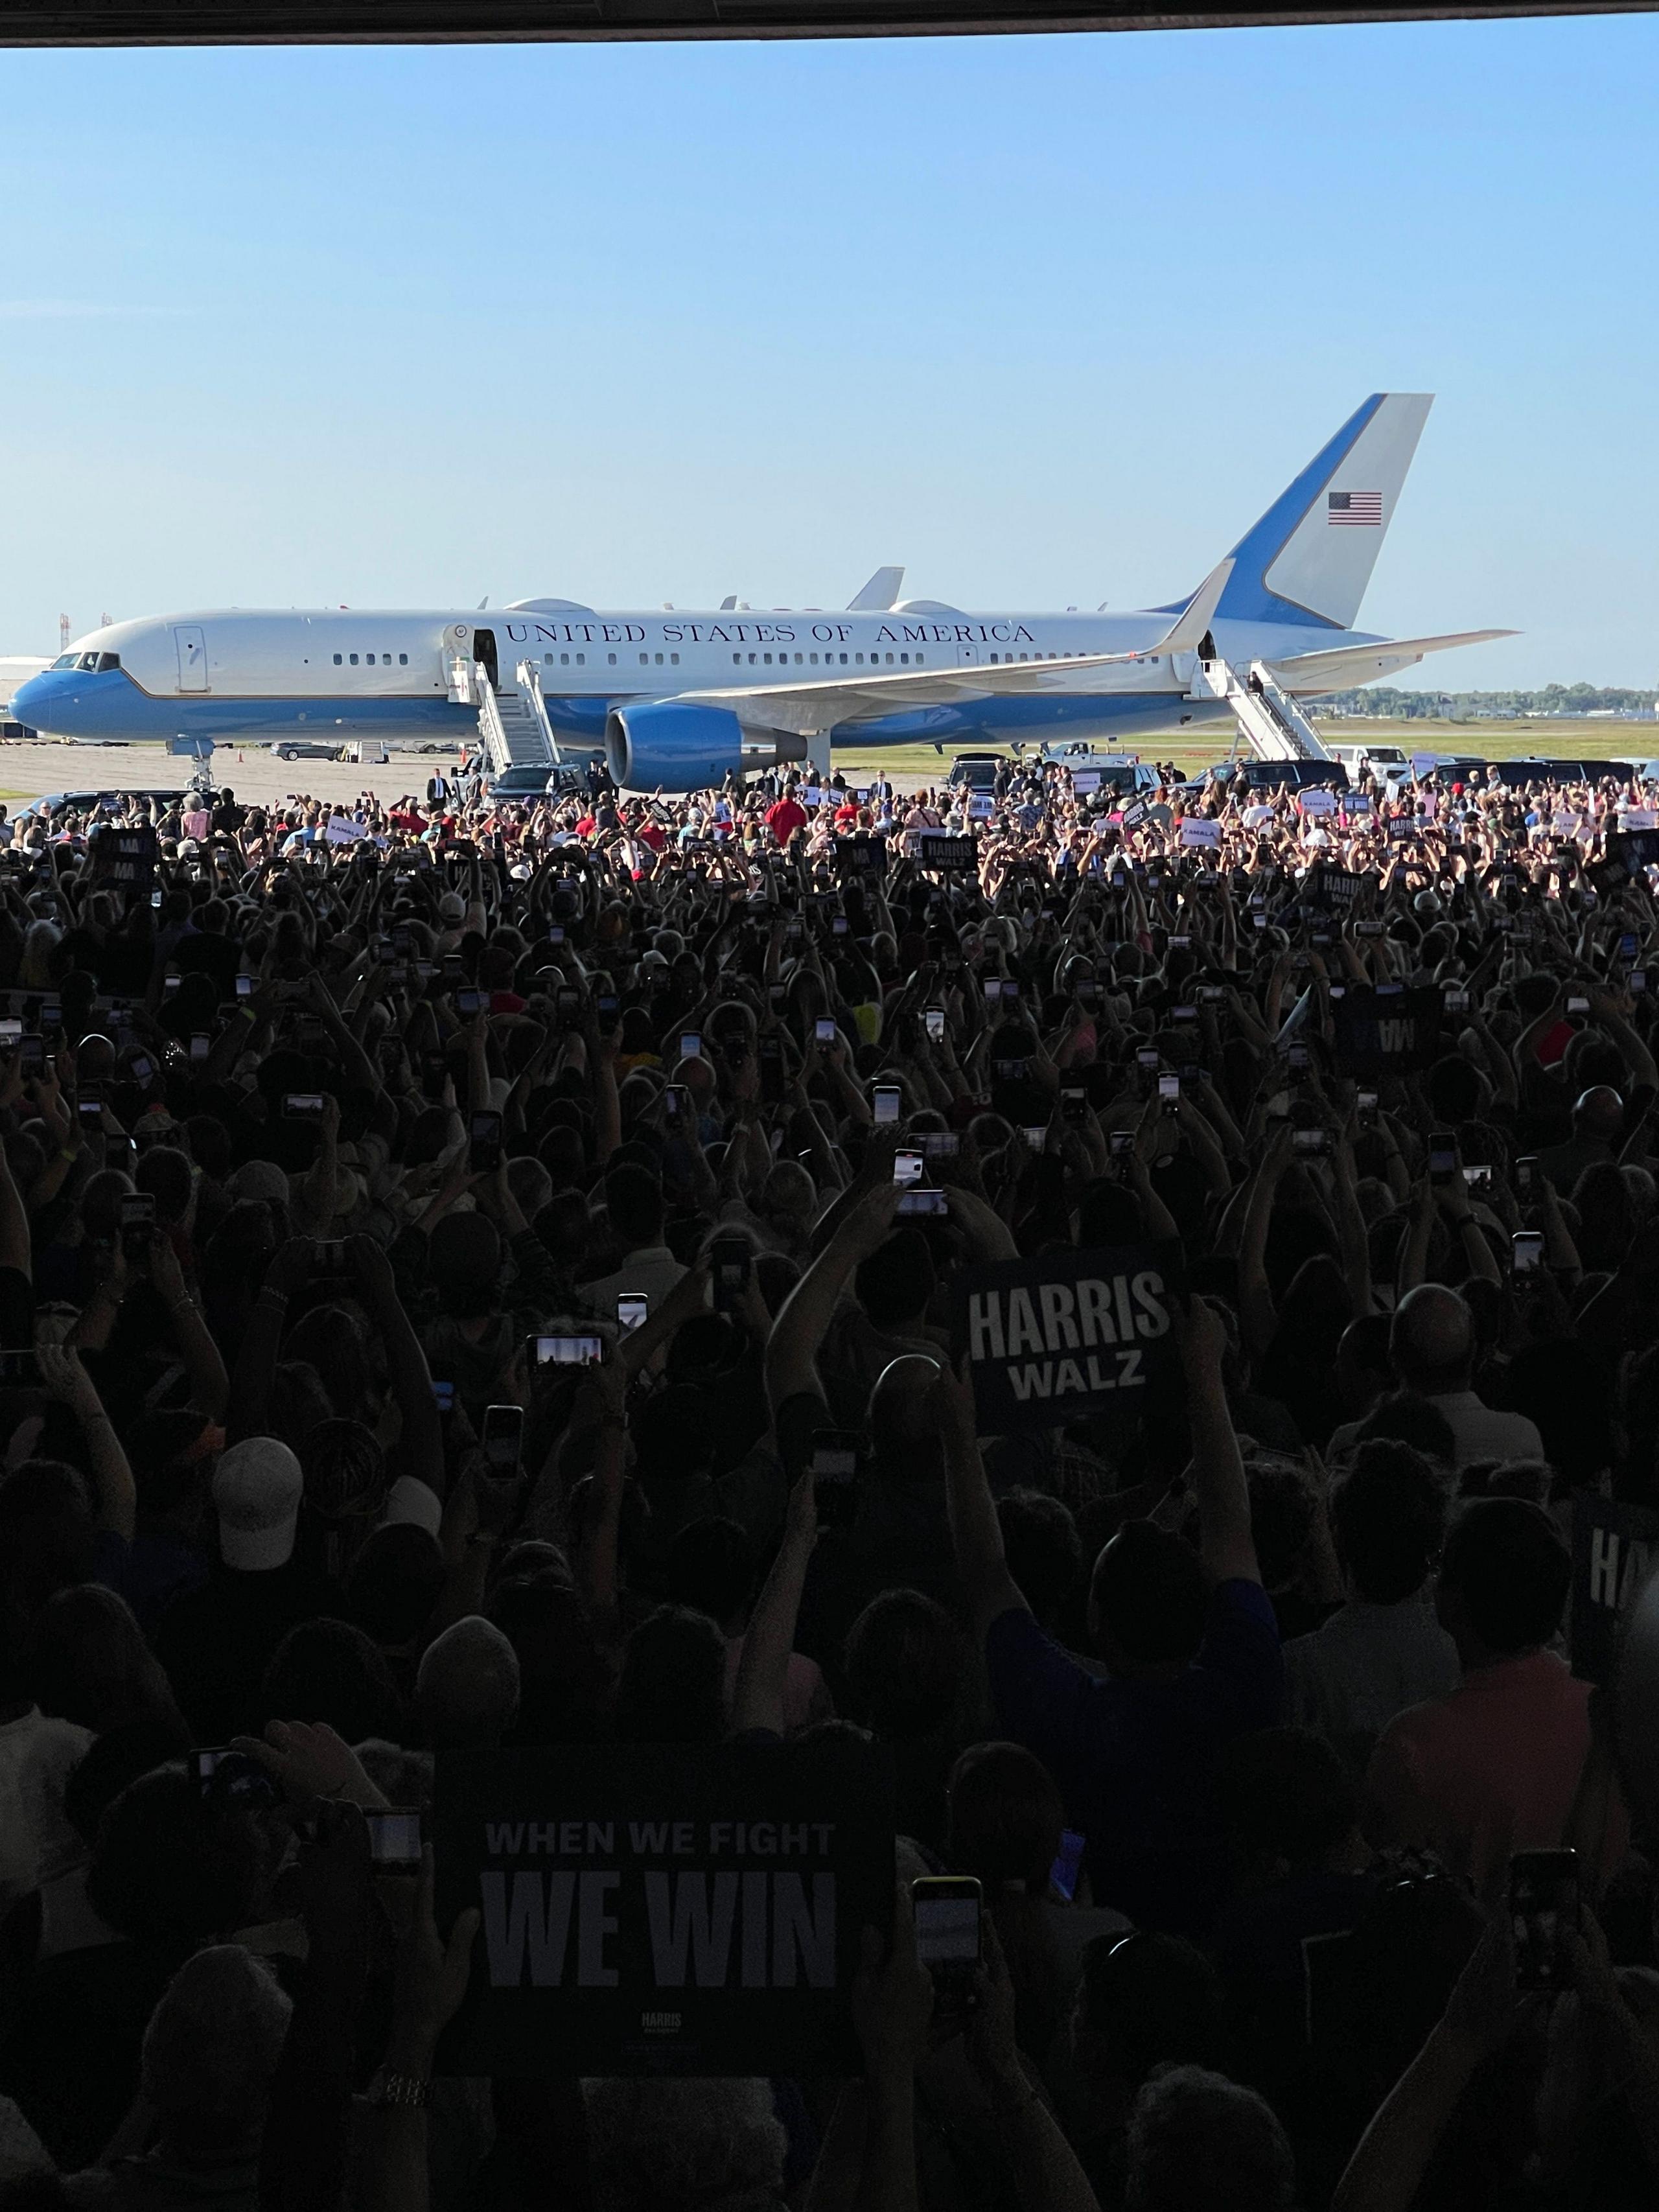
1384,1032
125,858
861,856
934,848
1067,1334
1614,1548
651,1910
1336,889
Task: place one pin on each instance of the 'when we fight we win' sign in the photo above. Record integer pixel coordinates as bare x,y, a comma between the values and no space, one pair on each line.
651,1908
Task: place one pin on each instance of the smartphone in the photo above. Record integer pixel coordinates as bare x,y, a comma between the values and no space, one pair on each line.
769,1059
502,1439
1526,1170
606,1005
1368,929
947,1917
1638,979
1478,1175
940,1143
245,986
1212,994
731,1258
303,1106
1120,1143
1074,1109
835,1475
567,1007
328,1256
394,1837
993,988
91,1112
884,1101
1527,1251
838,925
469,1002
1035,1135
1442,1155
1314,1143
691,1044
443,1396
632,1307
1147,1060
10,1032
676,1101
1543,1913
229,1776
484,1153
922,1204
1366,1105
19,1371
52,1012
1183,1014
1627,945
568,1351
935,1023
1168,1093
823,1029
31,1056
385,951
1064,1873
1296,1058
1578,1005
137,1218
200,1046
1456,1002
906,1169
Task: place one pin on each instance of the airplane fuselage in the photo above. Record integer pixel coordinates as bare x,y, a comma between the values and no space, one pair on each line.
268,676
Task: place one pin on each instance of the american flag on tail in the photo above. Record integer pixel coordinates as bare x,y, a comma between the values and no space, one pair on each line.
1360,510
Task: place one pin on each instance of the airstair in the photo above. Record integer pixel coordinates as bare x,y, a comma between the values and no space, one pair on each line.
512,726
1269,720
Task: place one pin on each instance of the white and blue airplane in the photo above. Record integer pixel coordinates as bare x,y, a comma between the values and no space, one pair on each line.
678,698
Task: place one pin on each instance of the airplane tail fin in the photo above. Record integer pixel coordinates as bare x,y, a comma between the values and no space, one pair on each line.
1309,557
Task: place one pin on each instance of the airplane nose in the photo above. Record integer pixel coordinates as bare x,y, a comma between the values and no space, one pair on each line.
48,703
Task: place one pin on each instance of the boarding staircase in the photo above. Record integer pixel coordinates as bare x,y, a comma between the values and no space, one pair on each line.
512,726
1269,720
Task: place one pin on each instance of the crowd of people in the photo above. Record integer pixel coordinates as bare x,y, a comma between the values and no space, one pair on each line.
323,1123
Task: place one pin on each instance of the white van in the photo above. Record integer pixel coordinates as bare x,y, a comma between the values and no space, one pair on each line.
1386,762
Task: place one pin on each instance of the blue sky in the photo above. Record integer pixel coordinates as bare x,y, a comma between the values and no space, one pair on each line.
1050,320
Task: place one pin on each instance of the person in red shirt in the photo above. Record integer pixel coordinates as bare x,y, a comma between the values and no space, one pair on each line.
785,817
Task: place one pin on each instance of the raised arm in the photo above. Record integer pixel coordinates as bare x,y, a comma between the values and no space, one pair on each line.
806,1315
1227,1545
975,1532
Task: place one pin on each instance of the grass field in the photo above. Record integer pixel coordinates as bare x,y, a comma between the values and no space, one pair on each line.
1572,740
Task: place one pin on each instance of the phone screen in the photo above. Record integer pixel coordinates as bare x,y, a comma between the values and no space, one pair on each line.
1064,1873
1526,1250
1168,1090
394,1837
824,1030
947,1911
906,1169
919,1202
484,1143
885,1105
1442,1156
632,1307
936,1022
1543,1912
503,1434
570,1351
691,1045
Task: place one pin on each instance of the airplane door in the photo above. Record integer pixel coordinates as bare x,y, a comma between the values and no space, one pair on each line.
191,649
967,656
483,652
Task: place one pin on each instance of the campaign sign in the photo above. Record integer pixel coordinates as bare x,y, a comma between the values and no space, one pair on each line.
125,858
937,849
1382,1032
686,1909
1336,889
861,856
1197,829
1134,814
1067,1334
343,830
1085,780
1613,1547
1623,857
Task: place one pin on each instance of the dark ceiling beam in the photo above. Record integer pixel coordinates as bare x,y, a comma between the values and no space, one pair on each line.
434,23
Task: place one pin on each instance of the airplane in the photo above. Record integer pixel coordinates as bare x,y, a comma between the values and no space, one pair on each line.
677,699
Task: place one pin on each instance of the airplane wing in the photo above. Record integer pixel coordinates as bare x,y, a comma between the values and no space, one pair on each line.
1344,665
804,710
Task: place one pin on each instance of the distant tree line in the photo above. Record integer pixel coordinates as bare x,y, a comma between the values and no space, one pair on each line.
1552,699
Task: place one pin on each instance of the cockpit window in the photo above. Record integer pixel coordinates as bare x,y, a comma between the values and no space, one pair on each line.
106,661
66,660
87,661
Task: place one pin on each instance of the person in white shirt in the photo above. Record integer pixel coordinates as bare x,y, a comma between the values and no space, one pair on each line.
1432,1346
1384,1649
